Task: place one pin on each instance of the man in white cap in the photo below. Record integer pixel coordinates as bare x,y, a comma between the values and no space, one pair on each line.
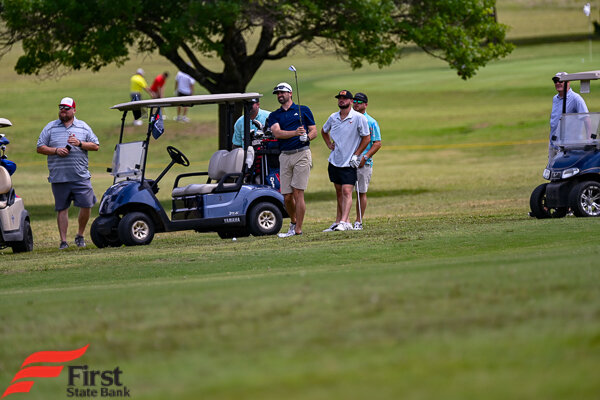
294,127
575,104
66,141
184,86
137,84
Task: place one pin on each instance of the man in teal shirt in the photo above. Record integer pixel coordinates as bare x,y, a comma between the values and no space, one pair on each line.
256,113
365,168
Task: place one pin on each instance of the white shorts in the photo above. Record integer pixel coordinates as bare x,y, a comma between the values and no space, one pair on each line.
364,178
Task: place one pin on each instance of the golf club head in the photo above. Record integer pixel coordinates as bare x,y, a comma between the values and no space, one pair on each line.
292,68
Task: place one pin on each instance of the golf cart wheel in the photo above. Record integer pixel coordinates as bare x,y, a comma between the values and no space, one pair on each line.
233,234
539,209
584,199
27,243
136,229
265,219
101,241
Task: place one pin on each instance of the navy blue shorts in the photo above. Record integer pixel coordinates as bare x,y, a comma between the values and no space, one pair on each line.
342,175
80,193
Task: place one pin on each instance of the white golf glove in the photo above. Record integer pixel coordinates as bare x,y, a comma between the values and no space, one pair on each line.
303,138
354,161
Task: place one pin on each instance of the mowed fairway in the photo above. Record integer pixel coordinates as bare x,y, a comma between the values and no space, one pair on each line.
450,292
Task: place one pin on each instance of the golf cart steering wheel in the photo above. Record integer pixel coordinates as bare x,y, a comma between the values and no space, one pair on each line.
177,156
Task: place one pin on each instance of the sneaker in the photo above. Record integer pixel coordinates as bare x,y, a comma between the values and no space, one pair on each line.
176,118
79,241
138,122
291,231
357,226
63,245
184,118
331,228
343,226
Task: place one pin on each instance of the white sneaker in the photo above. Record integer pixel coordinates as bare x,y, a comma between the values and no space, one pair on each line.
184,119
138,122
331,228
176,118
343,226
357,226
291,231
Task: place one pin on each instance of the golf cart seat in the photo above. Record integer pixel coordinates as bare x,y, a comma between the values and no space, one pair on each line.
6,192
225,168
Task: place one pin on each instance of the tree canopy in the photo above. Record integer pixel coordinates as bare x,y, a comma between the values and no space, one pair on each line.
242,34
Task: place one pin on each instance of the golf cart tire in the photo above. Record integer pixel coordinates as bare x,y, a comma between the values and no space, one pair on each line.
101,241
26,244
233,234
265,219
584,199
537,203
136,229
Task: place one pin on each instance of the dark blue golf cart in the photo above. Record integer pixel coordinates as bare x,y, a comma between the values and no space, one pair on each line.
574,173
217,200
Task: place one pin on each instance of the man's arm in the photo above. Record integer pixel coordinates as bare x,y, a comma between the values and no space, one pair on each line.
53,151
330,145
281,134
364,142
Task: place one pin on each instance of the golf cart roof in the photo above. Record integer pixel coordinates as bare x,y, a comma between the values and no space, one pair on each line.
581,76
4,123
188,101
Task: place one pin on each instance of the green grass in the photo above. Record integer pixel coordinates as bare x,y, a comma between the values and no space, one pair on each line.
450,292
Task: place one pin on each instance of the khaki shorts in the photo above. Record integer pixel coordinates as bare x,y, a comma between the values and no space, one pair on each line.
364,178
294,170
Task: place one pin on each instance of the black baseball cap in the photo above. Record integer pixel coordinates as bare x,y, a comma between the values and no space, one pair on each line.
361,97
345,94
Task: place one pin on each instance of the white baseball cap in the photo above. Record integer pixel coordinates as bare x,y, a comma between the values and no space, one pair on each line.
282,87
140,71
67,101
557,76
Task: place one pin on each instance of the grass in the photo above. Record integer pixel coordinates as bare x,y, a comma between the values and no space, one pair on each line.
451,292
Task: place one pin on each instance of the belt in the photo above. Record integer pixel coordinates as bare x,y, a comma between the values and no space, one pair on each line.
288,152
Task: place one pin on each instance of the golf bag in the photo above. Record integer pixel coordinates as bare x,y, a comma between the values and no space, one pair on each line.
265,169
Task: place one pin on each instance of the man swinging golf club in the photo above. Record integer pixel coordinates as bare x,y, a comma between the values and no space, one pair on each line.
346,134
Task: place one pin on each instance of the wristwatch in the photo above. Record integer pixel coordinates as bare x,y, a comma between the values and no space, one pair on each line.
80,143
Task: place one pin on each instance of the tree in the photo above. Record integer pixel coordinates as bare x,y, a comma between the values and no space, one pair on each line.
75,34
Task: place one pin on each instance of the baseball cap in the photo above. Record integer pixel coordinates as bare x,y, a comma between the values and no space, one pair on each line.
255,100
67,101
345,94
557,76
140,71
361,97
282,87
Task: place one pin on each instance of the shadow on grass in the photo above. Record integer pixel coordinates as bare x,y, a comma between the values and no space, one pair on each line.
46,211
330,194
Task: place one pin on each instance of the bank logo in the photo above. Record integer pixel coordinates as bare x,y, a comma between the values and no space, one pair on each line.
83,381
24,385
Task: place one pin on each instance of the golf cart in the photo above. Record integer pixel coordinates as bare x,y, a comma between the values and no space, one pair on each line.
574,173
15,226
131,214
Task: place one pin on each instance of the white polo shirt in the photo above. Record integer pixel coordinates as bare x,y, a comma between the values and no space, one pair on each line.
346,134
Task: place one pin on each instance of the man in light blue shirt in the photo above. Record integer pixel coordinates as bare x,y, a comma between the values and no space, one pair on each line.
256,113
575,104
66,141
365,168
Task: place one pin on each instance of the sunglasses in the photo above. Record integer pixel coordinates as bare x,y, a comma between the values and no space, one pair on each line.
358,101
64,108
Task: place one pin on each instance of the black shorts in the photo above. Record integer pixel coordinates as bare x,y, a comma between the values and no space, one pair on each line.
342,175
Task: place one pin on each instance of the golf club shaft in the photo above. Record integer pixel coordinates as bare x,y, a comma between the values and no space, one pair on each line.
298,97
358,200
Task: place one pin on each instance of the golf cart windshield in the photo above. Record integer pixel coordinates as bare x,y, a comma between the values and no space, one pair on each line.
127,161
578,130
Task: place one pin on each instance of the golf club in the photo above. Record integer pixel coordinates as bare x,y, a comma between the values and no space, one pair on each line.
292,68
358,200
